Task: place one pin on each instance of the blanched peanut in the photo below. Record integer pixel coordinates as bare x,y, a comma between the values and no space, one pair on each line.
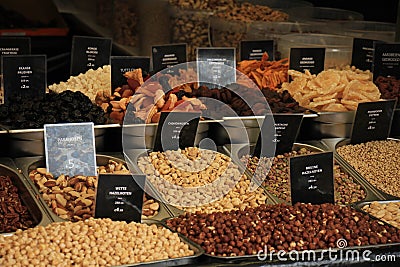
93,242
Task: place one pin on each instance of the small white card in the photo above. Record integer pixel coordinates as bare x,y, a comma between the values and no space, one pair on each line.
70,149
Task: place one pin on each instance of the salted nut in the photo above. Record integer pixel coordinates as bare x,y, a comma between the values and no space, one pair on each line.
195,169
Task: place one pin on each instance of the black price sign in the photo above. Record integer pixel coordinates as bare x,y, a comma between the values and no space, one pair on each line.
386,60
176,130
311,178
166,56
89,53
372,121
120,197
363,53
250,50
24,75
216,66
282,135
122,64
312,59
70,149
12,46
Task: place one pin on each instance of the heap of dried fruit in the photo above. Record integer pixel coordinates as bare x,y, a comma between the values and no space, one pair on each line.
266,74
332,90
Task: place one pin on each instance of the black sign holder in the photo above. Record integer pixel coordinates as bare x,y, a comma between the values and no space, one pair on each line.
372,121
282,136
24,75
311,178
312,59
120,197
176,130
89,53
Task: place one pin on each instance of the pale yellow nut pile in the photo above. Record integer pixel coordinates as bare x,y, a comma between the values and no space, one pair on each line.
89,83
332,90
93,242
200,180
388,212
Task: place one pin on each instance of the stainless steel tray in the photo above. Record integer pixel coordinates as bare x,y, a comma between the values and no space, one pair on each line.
381,195
275,256
27,164
141,136
359,206
238,151
28,198
134,154
30,142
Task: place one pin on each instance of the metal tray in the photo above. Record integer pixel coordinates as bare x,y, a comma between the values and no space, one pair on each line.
275,256
359,205
134,154
30,142
238,152
381,195
37,212
28,164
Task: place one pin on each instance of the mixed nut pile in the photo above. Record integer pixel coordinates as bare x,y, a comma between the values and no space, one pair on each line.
93,242
13,212
277,178
282,227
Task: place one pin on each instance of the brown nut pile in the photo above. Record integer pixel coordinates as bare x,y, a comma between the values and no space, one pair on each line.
282,227
231,26
190,22
332,90
197,168
277,180
249,12
13,213
72,198
389,87
93,242
388,212
124,23
377,161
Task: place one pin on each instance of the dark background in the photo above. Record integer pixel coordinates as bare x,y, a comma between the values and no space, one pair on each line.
378,10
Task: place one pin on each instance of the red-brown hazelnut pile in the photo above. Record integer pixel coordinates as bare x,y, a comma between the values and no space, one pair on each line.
282,227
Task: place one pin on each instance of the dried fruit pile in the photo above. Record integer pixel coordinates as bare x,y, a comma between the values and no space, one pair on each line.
67,106
266,74
332,90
